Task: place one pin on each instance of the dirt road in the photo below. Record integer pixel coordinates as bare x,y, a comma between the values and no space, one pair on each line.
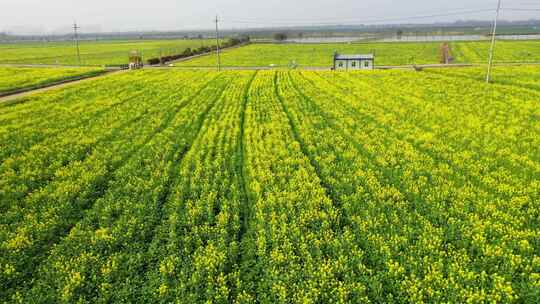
57,85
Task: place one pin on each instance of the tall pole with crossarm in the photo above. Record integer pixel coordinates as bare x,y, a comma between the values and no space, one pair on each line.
492,48
76,36
217,44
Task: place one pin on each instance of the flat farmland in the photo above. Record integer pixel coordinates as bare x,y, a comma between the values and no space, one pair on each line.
320,55
20,78
274,187
113,52
505,51
395,53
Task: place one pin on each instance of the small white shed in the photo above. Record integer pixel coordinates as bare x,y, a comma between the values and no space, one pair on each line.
354,62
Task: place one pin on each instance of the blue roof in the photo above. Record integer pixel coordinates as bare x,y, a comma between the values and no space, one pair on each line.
355,57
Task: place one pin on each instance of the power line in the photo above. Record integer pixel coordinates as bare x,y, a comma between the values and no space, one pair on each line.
333,21
342,21
522,9
281,20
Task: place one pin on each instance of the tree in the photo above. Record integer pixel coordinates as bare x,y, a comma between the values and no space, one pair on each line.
280,36
399,34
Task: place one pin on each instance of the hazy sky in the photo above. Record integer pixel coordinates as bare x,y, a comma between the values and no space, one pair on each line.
123,15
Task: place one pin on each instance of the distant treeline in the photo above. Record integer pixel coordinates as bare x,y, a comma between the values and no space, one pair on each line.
198,51
481,27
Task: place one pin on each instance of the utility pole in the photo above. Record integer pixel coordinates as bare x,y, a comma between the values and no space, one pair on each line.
492,48
75,32
217,44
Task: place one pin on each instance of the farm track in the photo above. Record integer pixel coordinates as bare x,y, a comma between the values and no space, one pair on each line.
16,80
323,68
27,65
246,206
7,98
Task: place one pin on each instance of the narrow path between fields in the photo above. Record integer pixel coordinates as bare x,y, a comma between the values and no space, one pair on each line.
324,68
55,85
245,208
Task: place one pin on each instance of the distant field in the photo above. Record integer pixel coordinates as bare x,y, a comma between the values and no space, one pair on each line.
92,52
505,52
14,79
320,55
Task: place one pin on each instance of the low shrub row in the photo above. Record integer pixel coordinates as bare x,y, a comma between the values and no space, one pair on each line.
198,51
